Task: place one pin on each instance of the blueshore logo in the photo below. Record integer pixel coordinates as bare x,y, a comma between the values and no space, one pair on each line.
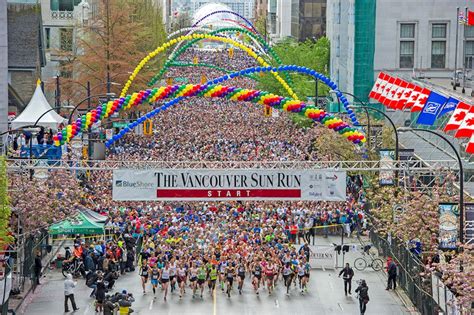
135,184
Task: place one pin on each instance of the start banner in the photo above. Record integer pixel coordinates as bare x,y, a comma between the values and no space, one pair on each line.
234,184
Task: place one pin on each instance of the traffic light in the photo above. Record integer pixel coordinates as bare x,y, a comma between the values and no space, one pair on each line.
231,53
195,60
267,111
148,127
203,79
169,81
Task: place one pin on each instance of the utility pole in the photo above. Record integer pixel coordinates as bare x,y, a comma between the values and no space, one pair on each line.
58,93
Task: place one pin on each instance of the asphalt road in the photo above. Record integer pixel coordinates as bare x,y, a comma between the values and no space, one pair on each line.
325,296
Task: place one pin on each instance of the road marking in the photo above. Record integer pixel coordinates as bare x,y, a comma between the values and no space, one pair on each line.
331,285
340,306
215,302
277,304
151,304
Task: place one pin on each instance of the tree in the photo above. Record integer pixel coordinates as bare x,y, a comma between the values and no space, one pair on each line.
111,45
310,54
47,201
5,211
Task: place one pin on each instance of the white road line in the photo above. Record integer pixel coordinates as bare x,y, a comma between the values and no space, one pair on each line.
331,285
340,306
277,304
151,304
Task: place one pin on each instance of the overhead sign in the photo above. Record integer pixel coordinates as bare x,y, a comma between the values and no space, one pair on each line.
234,184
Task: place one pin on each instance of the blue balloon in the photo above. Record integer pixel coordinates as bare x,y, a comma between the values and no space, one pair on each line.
126,129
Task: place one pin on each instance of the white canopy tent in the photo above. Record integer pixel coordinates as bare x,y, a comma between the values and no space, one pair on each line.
38,106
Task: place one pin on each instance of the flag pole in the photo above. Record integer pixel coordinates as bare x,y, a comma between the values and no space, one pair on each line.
464,55
456,50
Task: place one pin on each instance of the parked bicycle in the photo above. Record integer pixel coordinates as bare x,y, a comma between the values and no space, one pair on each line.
75,268
368,260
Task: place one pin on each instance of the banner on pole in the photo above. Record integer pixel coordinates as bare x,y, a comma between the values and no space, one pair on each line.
387,158
234,184
469,226
448,225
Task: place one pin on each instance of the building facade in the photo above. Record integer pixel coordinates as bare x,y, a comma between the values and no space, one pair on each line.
3,72
25,53
244,8
403,37
308,19
420,37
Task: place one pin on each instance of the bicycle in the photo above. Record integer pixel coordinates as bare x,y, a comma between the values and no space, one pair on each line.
362,262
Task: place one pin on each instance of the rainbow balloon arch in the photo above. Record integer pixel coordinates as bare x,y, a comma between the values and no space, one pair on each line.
213,89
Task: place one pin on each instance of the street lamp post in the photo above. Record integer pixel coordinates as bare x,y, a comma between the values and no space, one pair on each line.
390,121
86,99
461,177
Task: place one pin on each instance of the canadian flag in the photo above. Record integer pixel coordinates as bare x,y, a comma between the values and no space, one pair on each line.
421,100
398,94
405,95
413,96
386,90
466,129
392,96
470,145
457,117
374,93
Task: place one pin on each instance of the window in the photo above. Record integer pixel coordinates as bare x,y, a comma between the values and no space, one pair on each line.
47,31
407,45
63,5
407,30
439,31
469,54
407,54
438,54
438,45
66,38
469,47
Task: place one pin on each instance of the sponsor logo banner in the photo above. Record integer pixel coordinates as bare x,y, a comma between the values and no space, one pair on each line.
183,184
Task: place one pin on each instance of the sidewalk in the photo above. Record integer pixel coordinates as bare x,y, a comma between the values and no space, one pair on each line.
379,279
16,301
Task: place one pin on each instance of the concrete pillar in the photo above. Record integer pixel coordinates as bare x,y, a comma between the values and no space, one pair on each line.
3,73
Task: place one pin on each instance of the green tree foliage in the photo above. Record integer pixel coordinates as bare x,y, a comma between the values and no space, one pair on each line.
5,211
115,40
310,54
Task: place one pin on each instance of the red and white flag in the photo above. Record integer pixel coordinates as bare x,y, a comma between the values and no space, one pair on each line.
382,86
466,129
386,90
421,100
374,93
413,96
398,95
470,145
457,117
405,96
392,96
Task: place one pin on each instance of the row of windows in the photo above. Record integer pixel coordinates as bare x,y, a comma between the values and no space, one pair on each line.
438,45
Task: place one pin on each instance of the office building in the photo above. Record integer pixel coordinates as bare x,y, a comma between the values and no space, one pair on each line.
407,38
308,19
